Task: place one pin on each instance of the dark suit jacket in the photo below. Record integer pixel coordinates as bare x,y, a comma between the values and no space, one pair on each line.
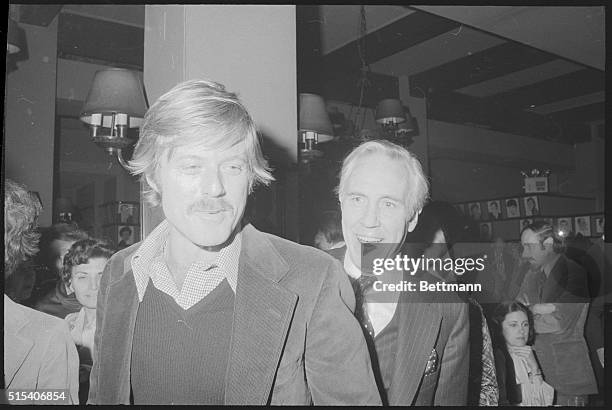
437,321
559,342
294,339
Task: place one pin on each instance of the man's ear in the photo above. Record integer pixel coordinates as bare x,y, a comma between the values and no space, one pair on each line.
413,222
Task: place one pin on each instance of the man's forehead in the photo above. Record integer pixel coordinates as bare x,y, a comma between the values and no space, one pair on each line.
201,150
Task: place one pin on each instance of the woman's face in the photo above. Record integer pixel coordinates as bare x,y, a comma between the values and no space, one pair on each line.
515,329
85,281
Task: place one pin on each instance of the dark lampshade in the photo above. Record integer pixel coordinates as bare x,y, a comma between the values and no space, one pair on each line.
15,37
314,117
115,91
390,110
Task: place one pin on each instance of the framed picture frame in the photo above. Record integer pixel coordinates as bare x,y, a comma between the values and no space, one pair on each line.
565,225
125,236
583,225
486,231
532,207
598,227
494,209
512,208
536,185
474,211
127,212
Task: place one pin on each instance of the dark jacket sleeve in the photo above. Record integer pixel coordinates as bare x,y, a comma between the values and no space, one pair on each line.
337,363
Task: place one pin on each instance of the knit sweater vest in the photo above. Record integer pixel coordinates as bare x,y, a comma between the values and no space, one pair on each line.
180,356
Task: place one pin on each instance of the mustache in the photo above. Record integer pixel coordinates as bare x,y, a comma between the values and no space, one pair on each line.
210,205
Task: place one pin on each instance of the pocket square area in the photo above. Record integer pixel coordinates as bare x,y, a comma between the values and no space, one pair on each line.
432,363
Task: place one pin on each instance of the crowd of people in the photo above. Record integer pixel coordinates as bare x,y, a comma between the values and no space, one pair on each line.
209,310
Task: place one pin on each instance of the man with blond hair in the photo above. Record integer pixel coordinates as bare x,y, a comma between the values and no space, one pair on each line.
418,343
206,309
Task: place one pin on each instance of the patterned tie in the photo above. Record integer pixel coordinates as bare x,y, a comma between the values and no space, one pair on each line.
361,285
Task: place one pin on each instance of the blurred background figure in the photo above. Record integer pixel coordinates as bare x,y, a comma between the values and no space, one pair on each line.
38,350
329,235
82,270
519,376
52,296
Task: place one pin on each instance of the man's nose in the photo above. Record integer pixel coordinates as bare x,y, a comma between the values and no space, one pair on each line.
370,218
211,183
94,282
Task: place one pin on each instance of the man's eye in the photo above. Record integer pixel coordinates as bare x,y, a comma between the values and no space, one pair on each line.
356,199
389,204
190,168
232,168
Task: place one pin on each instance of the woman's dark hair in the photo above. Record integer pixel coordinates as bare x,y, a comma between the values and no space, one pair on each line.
62,231
330,226
499,315
125,229
436,216
81,252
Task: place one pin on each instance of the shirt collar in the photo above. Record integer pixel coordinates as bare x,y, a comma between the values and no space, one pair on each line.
152,248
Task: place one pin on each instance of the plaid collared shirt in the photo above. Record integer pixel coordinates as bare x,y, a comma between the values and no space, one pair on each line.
201,278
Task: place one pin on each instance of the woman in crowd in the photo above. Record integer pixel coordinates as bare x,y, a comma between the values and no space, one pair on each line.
519,376
38,351
82,270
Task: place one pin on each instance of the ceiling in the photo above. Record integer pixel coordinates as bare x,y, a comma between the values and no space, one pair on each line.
534,71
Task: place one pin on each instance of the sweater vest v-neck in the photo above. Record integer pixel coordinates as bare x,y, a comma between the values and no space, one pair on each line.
180,356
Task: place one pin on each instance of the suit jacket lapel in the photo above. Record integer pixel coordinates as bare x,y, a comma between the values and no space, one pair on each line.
556,281
419,326
263,311
116,347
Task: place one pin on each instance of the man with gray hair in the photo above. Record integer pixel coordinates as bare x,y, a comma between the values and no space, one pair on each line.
418,344
206,309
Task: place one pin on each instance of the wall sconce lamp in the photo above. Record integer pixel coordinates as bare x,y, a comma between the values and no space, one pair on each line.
115,102
315,126
15,38
390,114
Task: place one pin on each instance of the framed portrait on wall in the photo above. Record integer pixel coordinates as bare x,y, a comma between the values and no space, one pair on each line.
512,208
583,225
599,224
494,209
474,211
125,236
486,232
531,206
564,225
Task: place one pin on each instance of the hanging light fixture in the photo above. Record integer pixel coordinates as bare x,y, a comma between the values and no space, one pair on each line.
390,114
315,126
115,103
15,38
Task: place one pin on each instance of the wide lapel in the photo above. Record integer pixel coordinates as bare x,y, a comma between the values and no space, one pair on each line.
18,346
116,344
556,282
263,311
418,330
